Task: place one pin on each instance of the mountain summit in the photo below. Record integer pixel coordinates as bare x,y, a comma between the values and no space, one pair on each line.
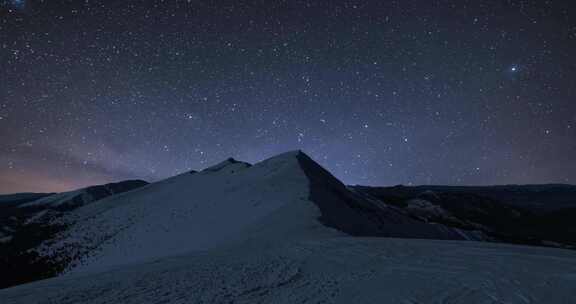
284,229
288,196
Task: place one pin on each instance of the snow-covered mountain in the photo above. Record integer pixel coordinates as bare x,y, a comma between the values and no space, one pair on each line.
26,221
281,230
288,196
23,209
522,214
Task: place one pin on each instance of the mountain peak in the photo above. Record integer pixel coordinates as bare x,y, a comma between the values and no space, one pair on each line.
288,195
293,157
228,162
285,155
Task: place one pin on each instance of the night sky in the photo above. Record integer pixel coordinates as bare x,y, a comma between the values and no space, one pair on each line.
379,92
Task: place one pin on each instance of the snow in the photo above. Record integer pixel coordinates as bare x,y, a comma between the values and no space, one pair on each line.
19,197
84,196
427,211
226,163
190,212
54,200
327,270
241,233
288,196
35,217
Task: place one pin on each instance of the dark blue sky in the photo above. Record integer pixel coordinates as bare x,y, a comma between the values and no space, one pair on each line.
379,92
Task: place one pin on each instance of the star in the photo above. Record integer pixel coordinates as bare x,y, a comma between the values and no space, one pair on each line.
19,4
149,97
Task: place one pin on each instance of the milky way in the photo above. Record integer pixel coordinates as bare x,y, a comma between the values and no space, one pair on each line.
379,92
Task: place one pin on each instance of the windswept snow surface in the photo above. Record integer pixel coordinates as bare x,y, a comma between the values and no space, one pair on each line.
56,199
281,231
81,197
288,196
191,211
327,270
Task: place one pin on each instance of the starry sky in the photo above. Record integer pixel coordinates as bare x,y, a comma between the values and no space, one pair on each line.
378,92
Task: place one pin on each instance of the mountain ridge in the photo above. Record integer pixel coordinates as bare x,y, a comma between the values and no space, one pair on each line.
289,195
285,198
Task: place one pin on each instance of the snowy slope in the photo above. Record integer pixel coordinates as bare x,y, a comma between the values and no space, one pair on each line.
84,196
20,198
23,209
55,199
26,220
191,211
281,231
328,270
288,196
